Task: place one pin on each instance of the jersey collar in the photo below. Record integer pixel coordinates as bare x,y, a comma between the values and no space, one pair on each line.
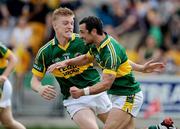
104,42
55,42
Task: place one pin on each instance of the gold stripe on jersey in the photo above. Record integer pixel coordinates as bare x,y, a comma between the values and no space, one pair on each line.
113,56
108,71
104,44
128,105
3,61
91,58
37,73
44,70
70,71
124,69
44,47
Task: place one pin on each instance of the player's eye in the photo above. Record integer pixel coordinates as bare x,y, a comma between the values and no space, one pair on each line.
65,23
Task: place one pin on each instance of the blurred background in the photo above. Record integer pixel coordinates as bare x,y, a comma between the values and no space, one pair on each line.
146,28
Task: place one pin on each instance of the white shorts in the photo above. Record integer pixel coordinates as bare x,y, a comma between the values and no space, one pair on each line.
5,100
130,104
99,103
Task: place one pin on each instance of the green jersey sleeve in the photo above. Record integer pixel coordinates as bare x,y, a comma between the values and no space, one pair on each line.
111,64
3,50
39,67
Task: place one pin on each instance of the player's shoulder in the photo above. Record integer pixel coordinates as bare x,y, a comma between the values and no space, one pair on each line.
2,46
46,47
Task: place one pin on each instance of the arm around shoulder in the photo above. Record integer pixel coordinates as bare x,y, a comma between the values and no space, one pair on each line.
80,60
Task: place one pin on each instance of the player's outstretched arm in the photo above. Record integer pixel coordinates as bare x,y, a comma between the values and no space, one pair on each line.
79,61
148,67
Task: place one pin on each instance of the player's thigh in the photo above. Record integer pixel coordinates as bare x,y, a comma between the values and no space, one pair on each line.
103,116
131,124
6,115
117,119
85,119
103,105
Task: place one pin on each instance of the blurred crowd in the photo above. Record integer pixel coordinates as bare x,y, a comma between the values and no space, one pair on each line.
146,28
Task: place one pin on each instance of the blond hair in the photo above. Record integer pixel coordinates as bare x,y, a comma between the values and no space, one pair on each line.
61,12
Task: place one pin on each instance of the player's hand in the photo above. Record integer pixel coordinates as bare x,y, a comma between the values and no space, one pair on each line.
47,92
56,66
76,92
152,66
2,79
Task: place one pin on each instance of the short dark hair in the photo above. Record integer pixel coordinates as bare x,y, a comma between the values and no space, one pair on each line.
93,22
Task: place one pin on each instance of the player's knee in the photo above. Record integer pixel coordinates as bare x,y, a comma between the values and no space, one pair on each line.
7,123
110,125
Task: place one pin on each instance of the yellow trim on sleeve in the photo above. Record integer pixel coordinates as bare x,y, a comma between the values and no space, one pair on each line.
7,53
4,61
37,73
108,71
124,69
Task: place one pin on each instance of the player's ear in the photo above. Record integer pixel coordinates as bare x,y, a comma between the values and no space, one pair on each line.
53,25
94,31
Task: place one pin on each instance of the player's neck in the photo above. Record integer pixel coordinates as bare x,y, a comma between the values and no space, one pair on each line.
99,39
62,41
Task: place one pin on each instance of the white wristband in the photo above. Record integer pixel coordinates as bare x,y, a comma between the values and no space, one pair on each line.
86,91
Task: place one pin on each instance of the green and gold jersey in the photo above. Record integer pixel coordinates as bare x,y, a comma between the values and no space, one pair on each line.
52,52
112,58
4,54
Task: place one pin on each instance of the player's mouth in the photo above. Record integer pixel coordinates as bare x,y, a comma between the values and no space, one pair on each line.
69,31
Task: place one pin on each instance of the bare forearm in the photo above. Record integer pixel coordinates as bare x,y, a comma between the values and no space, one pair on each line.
36,83
98,88
80,60
105,84
11,64
136,67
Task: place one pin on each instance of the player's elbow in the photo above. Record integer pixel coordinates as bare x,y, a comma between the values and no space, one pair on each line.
13,59
32,84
